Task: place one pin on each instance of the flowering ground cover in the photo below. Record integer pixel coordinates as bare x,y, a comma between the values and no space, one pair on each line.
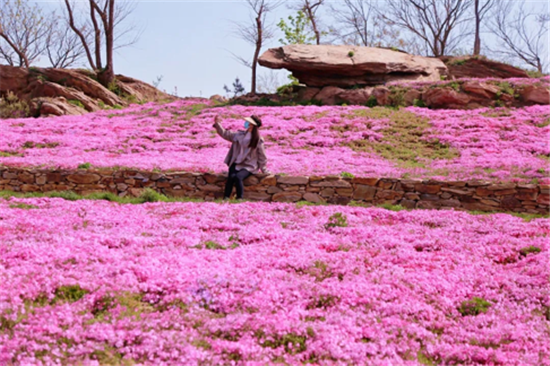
95,282
520,82
490,144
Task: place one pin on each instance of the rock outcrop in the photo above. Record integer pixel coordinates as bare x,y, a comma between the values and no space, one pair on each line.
348,66
63,91
480,67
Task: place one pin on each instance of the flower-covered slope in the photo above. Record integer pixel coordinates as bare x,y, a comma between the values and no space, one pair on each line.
94,282
491,144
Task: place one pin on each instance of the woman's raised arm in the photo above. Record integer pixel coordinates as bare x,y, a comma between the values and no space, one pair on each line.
225,134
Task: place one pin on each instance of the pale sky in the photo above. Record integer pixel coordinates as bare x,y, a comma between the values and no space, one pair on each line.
188,43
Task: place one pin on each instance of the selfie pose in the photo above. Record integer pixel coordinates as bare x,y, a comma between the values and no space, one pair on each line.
246,155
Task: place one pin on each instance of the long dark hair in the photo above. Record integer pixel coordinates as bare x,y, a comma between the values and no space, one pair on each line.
255,133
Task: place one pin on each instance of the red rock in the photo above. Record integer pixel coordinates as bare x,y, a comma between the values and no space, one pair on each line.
256,196
480,89
312,197
364,192
423,188
292,180
365,181
445,98
535,95
287,197
331,65
83,178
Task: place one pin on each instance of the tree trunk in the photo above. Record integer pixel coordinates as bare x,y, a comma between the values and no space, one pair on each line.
477,40
109,73
97,37
256,53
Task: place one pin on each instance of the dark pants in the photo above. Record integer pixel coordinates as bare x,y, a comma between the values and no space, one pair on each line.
235,177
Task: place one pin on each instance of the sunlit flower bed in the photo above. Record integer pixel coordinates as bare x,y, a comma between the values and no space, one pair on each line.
89,282
491,144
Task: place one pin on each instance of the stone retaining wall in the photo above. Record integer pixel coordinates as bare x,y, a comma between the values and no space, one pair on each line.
411,193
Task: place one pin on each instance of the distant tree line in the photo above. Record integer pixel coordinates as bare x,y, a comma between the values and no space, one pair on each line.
91,30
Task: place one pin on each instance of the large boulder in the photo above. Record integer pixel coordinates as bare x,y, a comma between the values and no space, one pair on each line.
445,98
535,95
347,66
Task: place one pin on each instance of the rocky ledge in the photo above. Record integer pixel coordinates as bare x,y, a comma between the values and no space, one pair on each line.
49,91
410,193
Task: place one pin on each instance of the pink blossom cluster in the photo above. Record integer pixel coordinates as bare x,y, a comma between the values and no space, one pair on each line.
497,144
259,283
545,80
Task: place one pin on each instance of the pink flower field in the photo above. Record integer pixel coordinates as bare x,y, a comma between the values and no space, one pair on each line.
94,282
490,144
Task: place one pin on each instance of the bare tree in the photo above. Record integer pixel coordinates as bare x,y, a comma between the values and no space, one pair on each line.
361,24
269,81
96,32
523,34
481,8
256,33
436,23
62,46
23,29
310,8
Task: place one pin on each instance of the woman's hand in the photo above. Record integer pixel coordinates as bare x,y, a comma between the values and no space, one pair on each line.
217,120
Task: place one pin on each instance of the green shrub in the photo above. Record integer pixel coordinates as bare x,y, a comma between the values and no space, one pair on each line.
84,166
213,245
12,107
371,102
150,195
389,206
419,103
77,103
67,195
397,96
69,293
351,54
338,219
113,86
347,175
528,250
23,206
474,306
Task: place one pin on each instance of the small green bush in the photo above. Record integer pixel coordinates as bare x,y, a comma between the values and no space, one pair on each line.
150,195
338,219
84,166
371,102
347,175
351,54
528,250
389,206
23,206
12,107
77,103
419,103
114,88
69,293
475,306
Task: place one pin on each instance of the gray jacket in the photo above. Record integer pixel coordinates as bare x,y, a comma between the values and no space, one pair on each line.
252,159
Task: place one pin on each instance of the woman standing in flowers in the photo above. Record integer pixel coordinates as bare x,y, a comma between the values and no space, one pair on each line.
246,155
